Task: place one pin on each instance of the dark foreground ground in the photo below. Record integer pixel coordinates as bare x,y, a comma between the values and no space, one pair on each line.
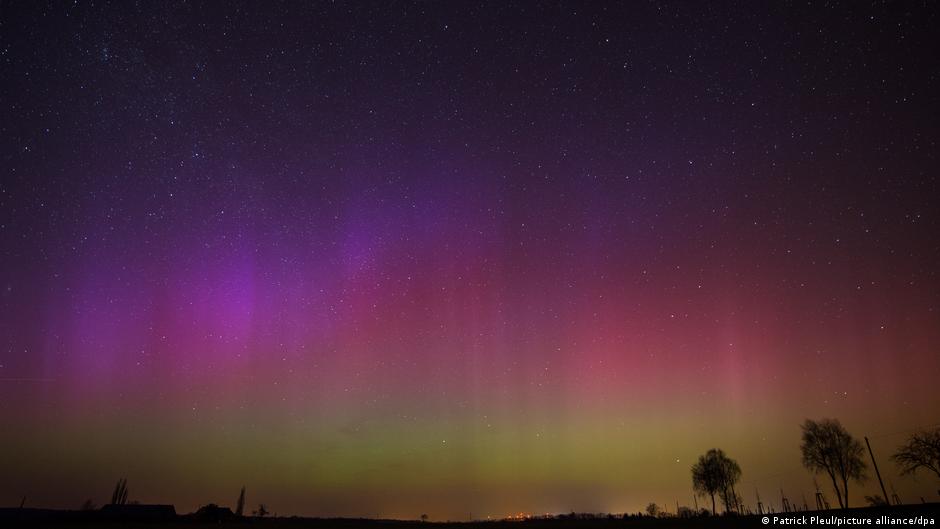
920,515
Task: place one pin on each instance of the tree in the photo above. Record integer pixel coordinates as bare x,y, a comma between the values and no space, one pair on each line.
922,450
424,517
652,509
828,447
262,511
732,474
240,506
716,473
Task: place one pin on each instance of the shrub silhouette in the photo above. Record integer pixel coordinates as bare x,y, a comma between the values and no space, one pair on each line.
240,505
876,501
119,496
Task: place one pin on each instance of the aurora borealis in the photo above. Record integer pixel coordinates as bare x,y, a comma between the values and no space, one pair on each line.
398,258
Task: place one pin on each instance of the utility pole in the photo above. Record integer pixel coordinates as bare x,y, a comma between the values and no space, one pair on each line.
874,464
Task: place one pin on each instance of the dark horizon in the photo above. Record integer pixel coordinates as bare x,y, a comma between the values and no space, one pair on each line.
654,513
384,260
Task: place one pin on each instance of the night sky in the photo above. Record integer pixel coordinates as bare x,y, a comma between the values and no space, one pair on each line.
454,258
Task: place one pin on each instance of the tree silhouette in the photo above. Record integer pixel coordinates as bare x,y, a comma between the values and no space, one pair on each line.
119,496
262,511
922,450
732,474
652,509
828,447
424,517
716,473
240,506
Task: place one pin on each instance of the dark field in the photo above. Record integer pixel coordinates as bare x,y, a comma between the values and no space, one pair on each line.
899,516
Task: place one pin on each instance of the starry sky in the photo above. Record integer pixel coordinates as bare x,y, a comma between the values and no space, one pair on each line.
393,258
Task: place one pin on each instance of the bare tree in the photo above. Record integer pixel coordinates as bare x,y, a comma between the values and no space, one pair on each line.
716,473
424,517
922,450
652,509
828,447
